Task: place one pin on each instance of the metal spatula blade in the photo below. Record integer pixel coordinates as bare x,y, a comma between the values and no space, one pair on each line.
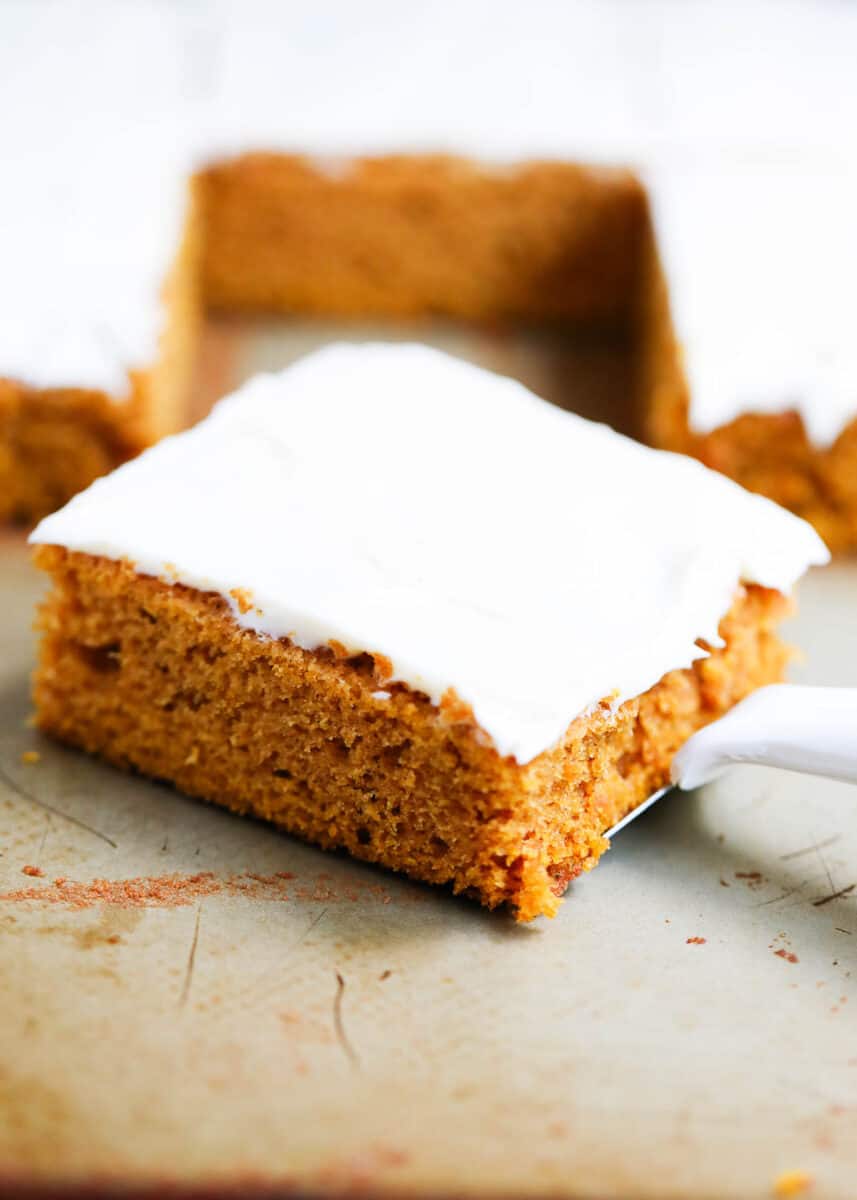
635,812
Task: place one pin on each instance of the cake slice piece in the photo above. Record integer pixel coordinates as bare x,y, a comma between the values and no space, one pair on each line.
757,379
396,604
97,367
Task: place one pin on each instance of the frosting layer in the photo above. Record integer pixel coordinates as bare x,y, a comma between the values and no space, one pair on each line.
403,502
761,254
96,149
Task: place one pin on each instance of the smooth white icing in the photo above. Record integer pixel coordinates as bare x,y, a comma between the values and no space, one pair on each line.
766,310
741,116
96,149
401,501
812,730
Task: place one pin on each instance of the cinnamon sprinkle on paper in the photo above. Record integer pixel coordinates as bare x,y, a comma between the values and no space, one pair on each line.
175,891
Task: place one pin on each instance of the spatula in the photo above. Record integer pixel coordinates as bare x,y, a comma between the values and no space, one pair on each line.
812,730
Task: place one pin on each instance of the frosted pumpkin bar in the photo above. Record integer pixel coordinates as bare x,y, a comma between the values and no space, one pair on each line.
394,603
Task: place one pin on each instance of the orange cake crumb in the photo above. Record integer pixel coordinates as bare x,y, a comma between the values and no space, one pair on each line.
792,1183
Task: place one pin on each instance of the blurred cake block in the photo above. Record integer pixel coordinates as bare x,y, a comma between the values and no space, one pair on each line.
251,159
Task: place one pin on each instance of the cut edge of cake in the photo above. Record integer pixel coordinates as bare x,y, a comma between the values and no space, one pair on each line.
160,679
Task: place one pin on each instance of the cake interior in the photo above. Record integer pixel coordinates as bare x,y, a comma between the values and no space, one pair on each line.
160,679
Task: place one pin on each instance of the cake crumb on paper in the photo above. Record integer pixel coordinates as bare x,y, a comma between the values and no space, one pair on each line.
792,1183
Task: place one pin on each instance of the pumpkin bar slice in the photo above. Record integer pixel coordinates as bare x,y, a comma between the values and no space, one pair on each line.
396,604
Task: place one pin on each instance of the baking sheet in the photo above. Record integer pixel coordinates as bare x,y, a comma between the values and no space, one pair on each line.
256,1011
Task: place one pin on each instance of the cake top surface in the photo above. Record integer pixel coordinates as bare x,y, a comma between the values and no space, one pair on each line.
403,502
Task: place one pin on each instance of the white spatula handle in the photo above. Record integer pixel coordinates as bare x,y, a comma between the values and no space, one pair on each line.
812,730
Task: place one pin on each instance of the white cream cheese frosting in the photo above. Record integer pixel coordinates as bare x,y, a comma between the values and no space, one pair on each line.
96,151
740,116
403,502
761,258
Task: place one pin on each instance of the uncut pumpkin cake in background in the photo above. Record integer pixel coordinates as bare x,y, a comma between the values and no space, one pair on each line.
461,638
715,225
